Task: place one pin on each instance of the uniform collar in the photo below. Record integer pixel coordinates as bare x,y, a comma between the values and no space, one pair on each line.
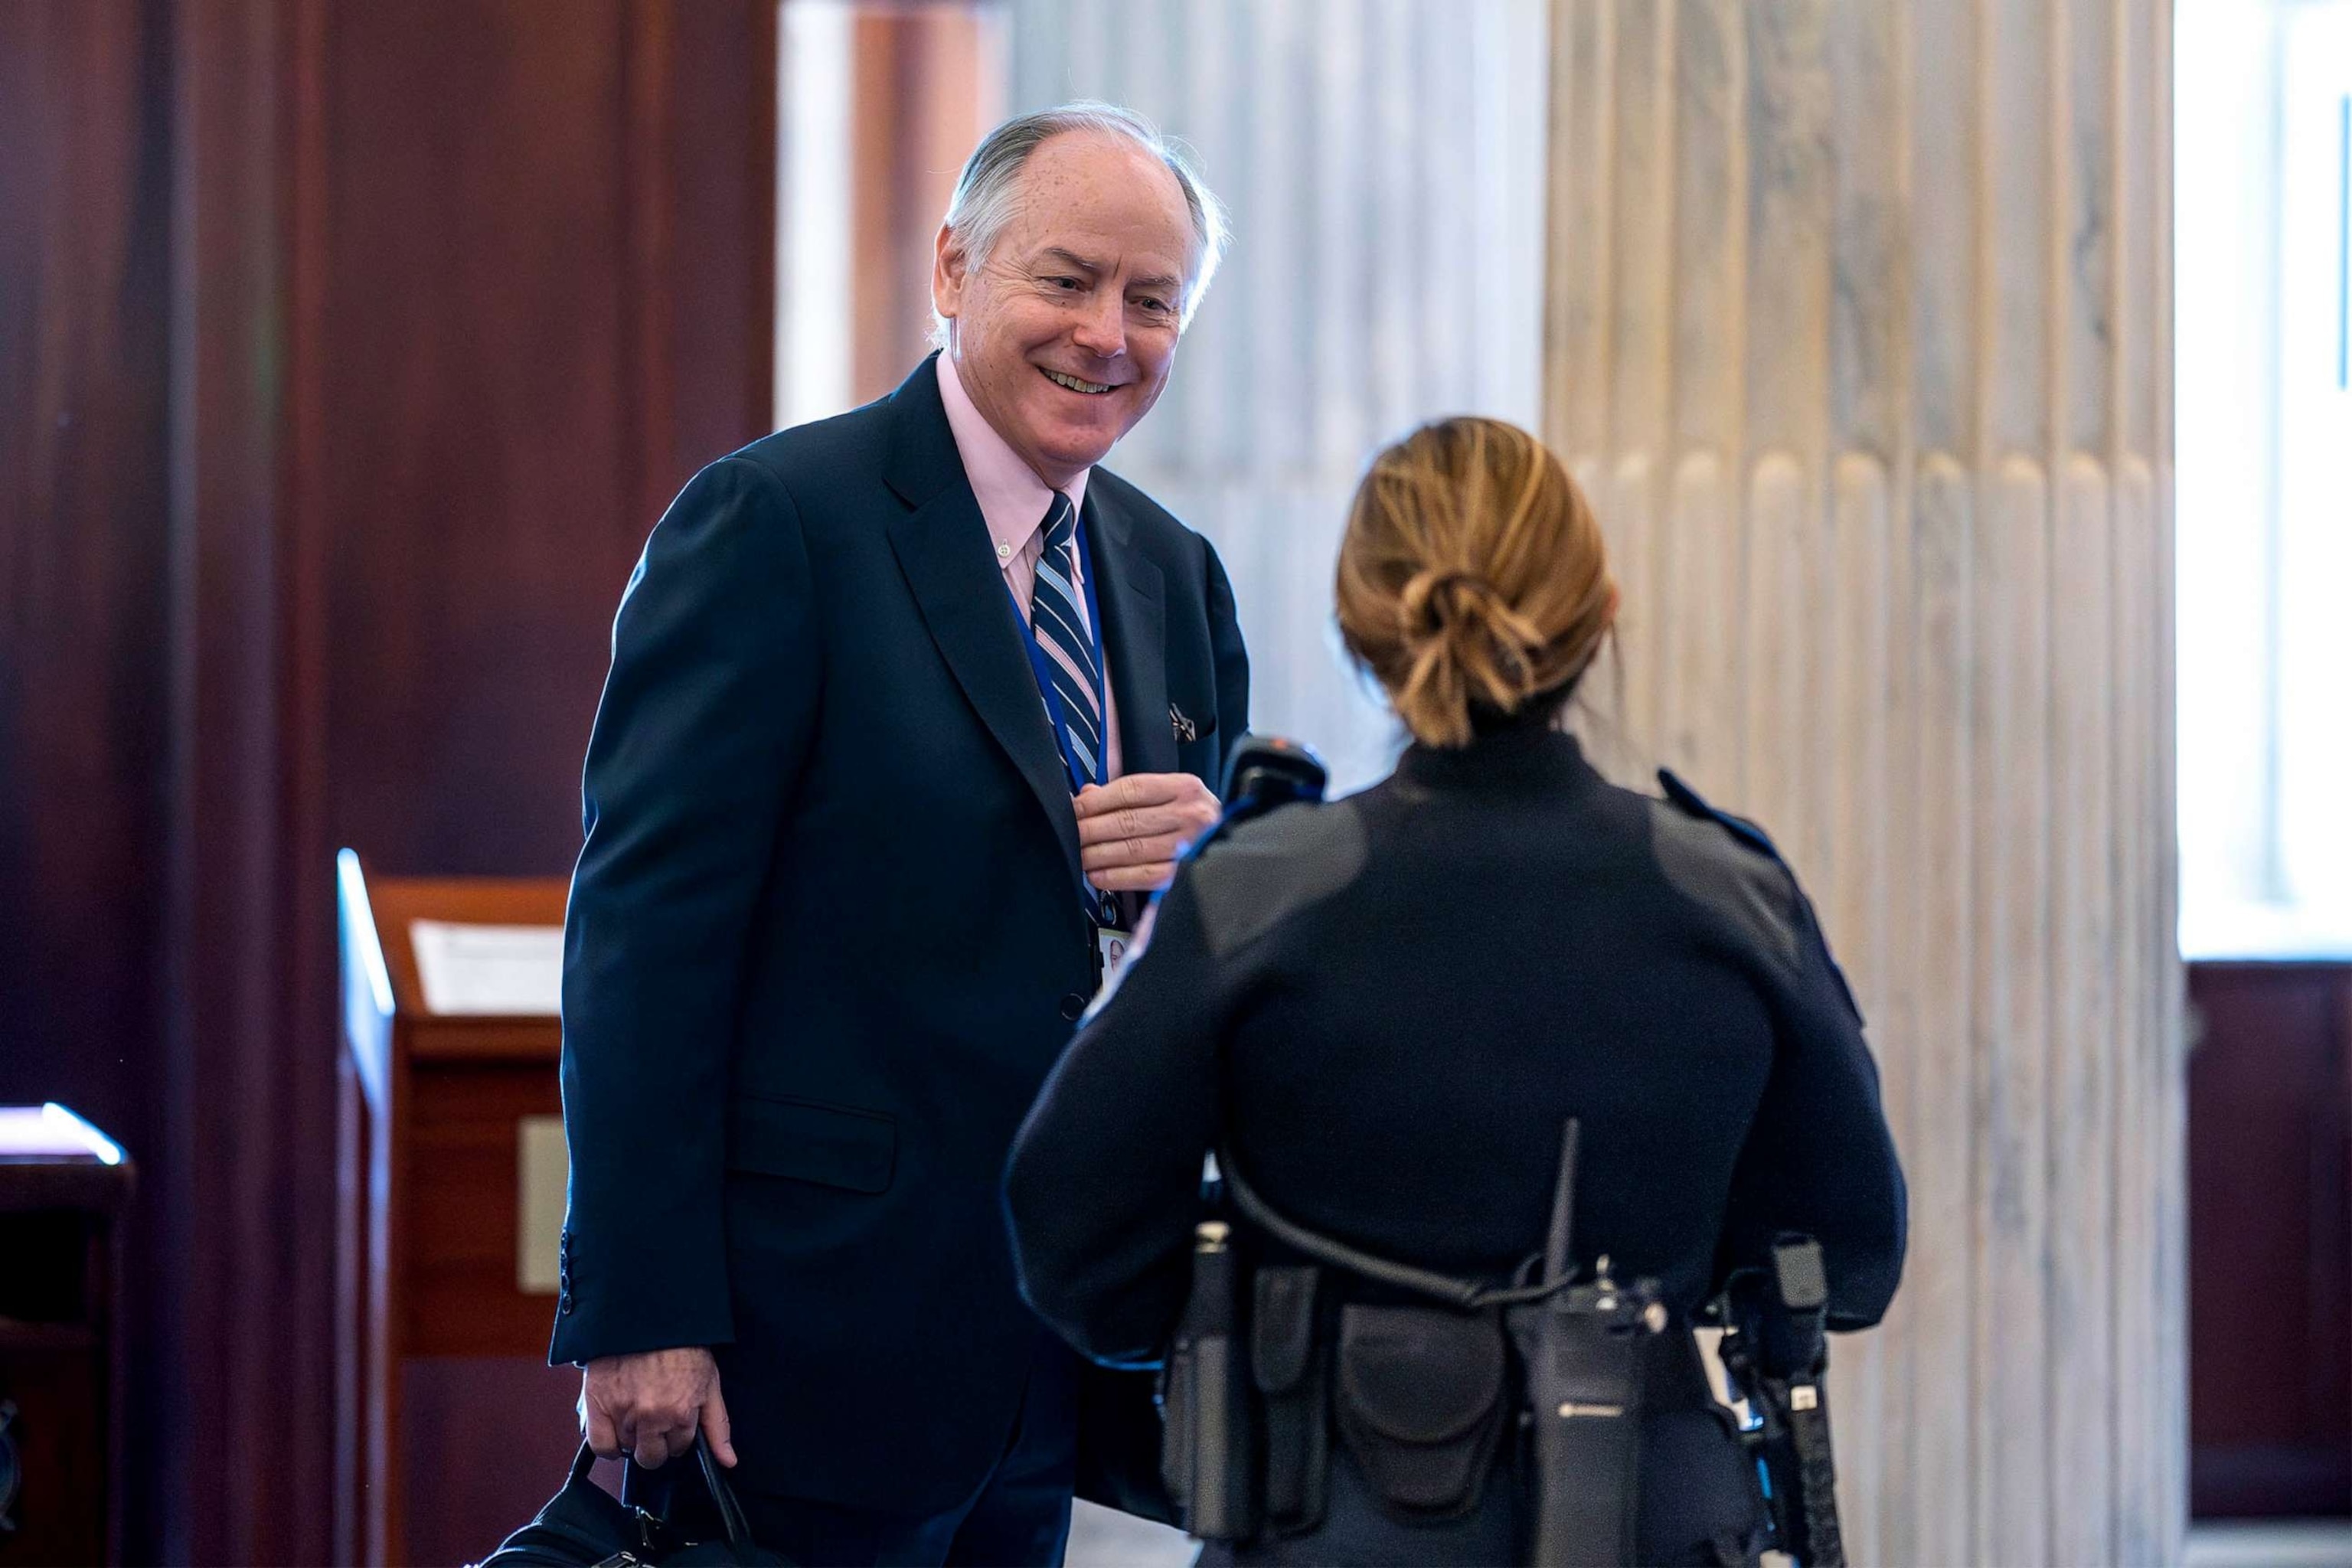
1532,753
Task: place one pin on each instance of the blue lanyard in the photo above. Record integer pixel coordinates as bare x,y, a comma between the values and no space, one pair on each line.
1043,671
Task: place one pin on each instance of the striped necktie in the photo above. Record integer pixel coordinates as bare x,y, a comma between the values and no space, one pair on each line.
1055,616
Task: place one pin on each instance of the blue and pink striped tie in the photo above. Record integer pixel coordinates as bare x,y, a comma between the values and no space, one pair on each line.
1055,616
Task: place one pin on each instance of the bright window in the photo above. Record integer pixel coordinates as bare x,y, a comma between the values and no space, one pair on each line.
2263,263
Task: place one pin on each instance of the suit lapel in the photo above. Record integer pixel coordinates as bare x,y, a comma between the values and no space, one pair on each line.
942,548
1135,638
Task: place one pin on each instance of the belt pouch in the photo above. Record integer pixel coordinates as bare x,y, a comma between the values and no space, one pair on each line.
1289,1370
1421,1405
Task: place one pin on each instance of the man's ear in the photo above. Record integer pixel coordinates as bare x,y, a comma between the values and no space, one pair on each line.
949,271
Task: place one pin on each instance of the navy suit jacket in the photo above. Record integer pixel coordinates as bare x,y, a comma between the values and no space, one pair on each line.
825,938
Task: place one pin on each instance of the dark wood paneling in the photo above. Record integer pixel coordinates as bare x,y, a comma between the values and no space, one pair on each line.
347,350
459,1183
85,213
2270,1240
246,1193
480,471
531,252
54,1380
84,183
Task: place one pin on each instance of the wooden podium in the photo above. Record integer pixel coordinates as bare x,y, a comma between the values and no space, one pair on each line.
451,1429
63,1188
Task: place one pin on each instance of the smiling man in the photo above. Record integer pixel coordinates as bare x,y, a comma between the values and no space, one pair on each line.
907,711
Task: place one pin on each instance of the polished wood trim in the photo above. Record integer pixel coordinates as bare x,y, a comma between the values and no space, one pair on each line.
87,1185
399,902
369,1000
530,1040
460,1297
430,1108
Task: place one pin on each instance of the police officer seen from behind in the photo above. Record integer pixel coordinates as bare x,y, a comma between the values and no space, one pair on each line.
1385,1009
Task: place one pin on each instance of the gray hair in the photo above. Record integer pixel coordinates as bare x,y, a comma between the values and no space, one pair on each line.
983,200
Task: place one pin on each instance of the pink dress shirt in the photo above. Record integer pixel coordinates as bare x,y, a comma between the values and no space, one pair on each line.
1012,502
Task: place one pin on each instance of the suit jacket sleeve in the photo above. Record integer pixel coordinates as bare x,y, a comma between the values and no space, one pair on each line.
1232,658
705,719
1820,1158
1104,1186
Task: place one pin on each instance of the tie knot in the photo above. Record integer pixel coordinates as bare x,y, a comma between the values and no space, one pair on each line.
1061,522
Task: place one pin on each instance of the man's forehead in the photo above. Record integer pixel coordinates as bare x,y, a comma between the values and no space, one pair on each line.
1078,154
1079,186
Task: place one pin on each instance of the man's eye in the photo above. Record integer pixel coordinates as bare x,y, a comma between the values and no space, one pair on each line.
1063,283
1156,306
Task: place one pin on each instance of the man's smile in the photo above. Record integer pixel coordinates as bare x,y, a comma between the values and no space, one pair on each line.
1092,388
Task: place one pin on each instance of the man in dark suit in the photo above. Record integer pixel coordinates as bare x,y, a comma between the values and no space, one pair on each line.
908,710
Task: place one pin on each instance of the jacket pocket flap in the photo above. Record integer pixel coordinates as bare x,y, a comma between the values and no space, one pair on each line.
853,1149
1282,1327
1417,1377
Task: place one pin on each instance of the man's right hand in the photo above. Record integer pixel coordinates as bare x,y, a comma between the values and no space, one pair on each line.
647,1405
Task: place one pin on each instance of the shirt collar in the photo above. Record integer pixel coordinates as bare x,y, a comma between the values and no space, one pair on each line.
1012,499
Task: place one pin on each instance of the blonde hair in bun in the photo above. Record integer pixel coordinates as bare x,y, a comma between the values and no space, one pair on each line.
1472,582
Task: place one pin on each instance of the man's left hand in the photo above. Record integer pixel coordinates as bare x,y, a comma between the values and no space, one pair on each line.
1131,830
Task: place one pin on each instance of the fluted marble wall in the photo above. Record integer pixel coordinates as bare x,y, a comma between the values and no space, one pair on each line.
1383,160
1859,333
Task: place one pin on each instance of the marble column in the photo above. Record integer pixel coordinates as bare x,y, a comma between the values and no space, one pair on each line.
1858,328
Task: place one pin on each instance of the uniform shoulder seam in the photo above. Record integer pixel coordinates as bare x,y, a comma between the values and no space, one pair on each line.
1692,803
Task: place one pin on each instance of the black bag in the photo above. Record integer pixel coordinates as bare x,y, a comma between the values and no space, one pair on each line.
584,1526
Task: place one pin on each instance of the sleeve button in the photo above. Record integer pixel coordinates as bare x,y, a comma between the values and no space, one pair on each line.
1074,1007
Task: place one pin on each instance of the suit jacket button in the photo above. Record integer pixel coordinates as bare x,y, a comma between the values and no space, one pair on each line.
1074,1007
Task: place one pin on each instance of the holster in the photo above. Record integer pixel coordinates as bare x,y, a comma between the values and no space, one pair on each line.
1823,1542
1422,1402
1290,1366
1207,1456
1776,1354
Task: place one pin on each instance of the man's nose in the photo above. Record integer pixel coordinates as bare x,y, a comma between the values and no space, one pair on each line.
1102,327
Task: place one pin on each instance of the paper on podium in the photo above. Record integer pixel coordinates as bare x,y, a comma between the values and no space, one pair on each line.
489,969
543,1176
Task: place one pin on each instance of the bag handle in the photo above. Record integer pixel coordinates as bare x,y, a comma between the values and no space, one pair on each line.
731,1512
714,1483
581,1463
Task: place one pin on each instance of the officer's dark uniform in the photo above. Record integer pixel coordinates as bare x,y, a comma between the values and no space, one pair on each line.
1387,1006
